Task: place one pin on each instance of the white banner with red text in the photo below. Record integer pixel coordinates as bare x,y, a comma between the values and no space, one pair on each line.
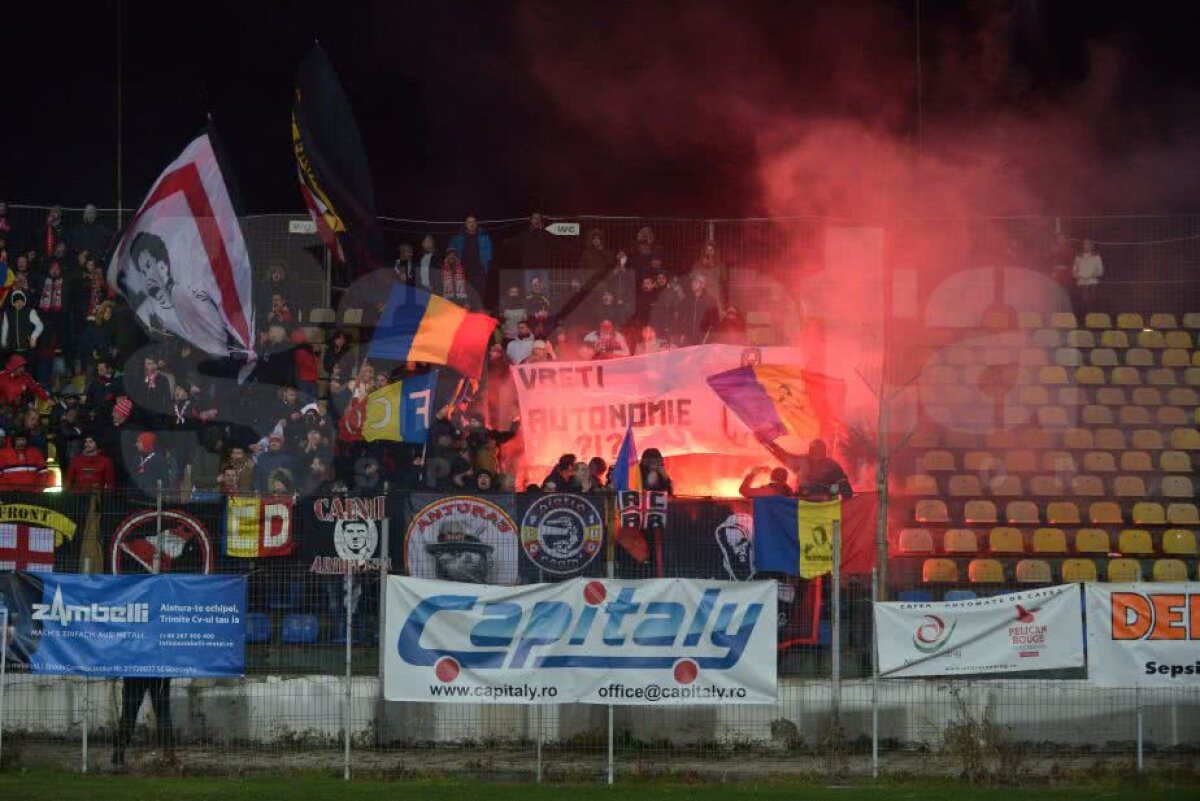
594,641
585,407
1034,630
1144,635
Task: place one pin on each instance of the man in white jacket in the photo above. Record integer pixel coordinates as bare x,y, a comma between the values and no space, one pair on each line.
1088,270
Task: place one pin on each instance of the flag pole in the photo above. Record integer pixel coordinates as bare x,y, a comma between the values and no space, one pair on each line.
835,580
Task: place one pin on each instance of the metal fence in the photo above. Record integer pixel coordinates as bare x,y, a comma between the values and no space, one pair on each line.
311,697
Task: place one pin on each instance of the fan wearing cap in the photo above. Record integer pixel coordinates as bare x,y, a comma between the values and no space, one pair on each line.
20,325
150,466
778,485
16,385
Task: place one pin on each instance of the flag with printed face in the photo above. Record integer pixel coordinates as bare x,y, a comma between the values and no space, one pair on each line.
795,537
182,263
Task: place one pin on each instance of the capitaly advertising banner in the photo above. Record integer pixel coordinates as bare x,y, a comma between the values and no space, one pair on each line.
600,641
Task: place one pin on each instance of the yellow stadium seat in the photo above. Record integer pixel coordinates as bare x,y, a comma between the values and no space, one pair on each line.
1046,486
1032,357
1175,462
924,438
1135,542
1139,357
937,461
1075,570
1124,571
932,511
1148,513
1151,339
1078,439
1022,513
1062,513
352,317
1176,357
1162,321
1035,438
1130,321
1045,338
939,571
1161,377
979,512
1052,375
985,571
1028,320
1080,339
1099,462
1033,396
920,485
1185,439
1148,439
1089,376
1020,461
964,486
1125,376
1053,417
1196,358
1103,513
1182,396
1005,487
1136,462
1170,416
1180,541
1111,396
1147,396
1129,487
979,461
1068,357
960,540
1066,320
1087,486
1059,462
1179,339
1072,396
961,439
1006,540
1094,415
1182,514
1170,570
915,540
1092,540
1190,320
1135,416
1033,571
1177,487
1114,339
1191,377
1097,320
1049,540
1103,357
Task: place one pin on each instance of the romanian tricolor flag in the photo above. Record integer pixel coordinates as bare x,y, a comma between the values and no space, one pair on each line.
7,277
626,473
776,400
795,537
419,327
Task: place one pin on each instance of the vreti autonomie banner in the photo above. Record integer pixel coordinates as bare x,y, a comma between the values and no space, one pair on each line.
1035,630
1144,635
165,625
600,641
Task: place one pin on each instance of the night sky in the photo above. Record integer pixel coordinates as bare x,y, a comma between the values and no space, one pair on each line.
496,108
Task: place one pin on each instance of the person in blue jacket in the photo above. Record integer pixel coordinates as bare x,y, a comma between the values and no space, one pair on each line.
474,248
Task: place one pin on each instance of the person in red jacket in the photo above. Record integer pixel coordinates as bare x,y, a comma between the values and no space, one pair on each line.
306,365
22,467
16,384
91,469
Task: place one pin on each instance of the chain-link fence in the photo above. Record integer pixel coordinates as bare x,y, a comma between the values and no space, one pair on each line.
312,688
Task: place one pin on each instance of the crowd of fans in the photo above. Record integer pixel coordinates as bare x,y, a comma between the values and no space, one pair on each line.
86,395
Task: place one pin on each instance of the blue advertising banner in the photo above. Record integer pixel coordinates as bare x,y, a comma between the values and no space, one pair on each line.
164,625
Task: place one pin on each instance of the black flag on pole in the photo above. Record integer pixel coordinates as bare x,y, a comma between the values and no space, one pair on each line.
335,179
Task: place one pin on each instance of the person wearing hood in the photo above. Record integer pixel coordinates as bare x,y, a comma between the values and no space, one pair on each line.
90,235
16,385
474,249
20,326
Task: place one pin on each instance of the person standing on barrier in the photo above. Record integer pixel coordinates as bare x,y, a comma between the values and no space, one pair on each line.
133,691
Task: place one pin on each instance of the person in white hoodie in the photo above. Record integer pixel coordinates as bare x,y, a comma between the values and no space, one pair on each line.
1088,270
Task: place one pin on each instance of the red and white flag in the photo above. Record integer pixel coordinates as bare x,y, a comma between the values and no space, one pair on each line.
26,547
182,263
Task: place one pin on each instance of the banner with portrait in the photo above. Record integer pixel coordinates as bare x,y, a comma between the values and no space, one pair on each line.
467,538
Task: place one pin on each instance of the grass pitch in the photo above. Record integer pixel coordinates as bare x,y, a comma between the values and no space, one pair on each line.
75,787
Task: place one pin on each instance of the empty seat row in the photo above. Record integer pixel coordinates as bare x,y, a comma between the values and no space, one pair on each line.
1144,513
1133,357
1006,376
1117,339
1039,571
1041,439
1014,541
1055,461
968,485
1128,321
